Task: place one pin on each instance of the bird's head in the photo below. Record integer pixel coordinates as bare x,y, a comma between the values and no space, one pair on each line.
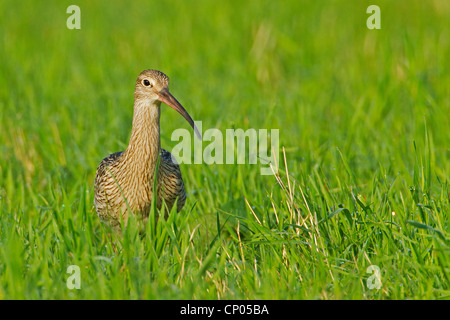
152,86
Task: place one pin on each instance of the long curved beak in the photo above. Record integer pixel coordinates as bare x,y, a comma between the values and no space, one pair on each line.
166,97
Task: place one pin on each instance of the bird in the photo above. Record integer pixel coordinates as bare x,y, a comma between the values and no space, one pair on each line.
124,180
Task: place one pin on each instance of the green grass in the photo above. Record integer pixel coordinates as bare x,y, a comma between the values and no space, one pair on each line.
364,118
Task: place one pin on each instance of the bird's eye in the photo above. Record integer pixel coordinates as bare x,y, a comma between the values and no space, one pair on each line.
147,83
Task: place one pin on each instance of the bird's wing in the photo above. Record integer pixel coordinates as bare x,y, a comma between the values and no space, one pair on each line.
170,181
102,177
109,160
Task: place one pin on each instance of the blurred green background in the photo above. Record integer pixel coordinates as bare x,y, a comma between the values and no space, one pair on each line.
313,70
359,108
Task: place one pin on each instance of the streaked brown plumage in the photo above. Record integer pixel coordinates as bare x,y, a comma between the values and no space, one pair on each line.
124,179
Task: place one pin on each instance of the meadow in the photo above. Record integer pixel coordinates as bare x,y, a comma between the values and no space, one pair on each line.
363,118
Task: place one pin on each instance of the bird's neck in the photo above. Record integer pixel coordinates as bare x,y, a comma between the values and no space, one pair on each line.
144,146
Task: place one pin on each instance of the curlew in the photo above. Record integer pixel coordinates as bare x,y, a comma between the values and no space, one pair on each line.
124,180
